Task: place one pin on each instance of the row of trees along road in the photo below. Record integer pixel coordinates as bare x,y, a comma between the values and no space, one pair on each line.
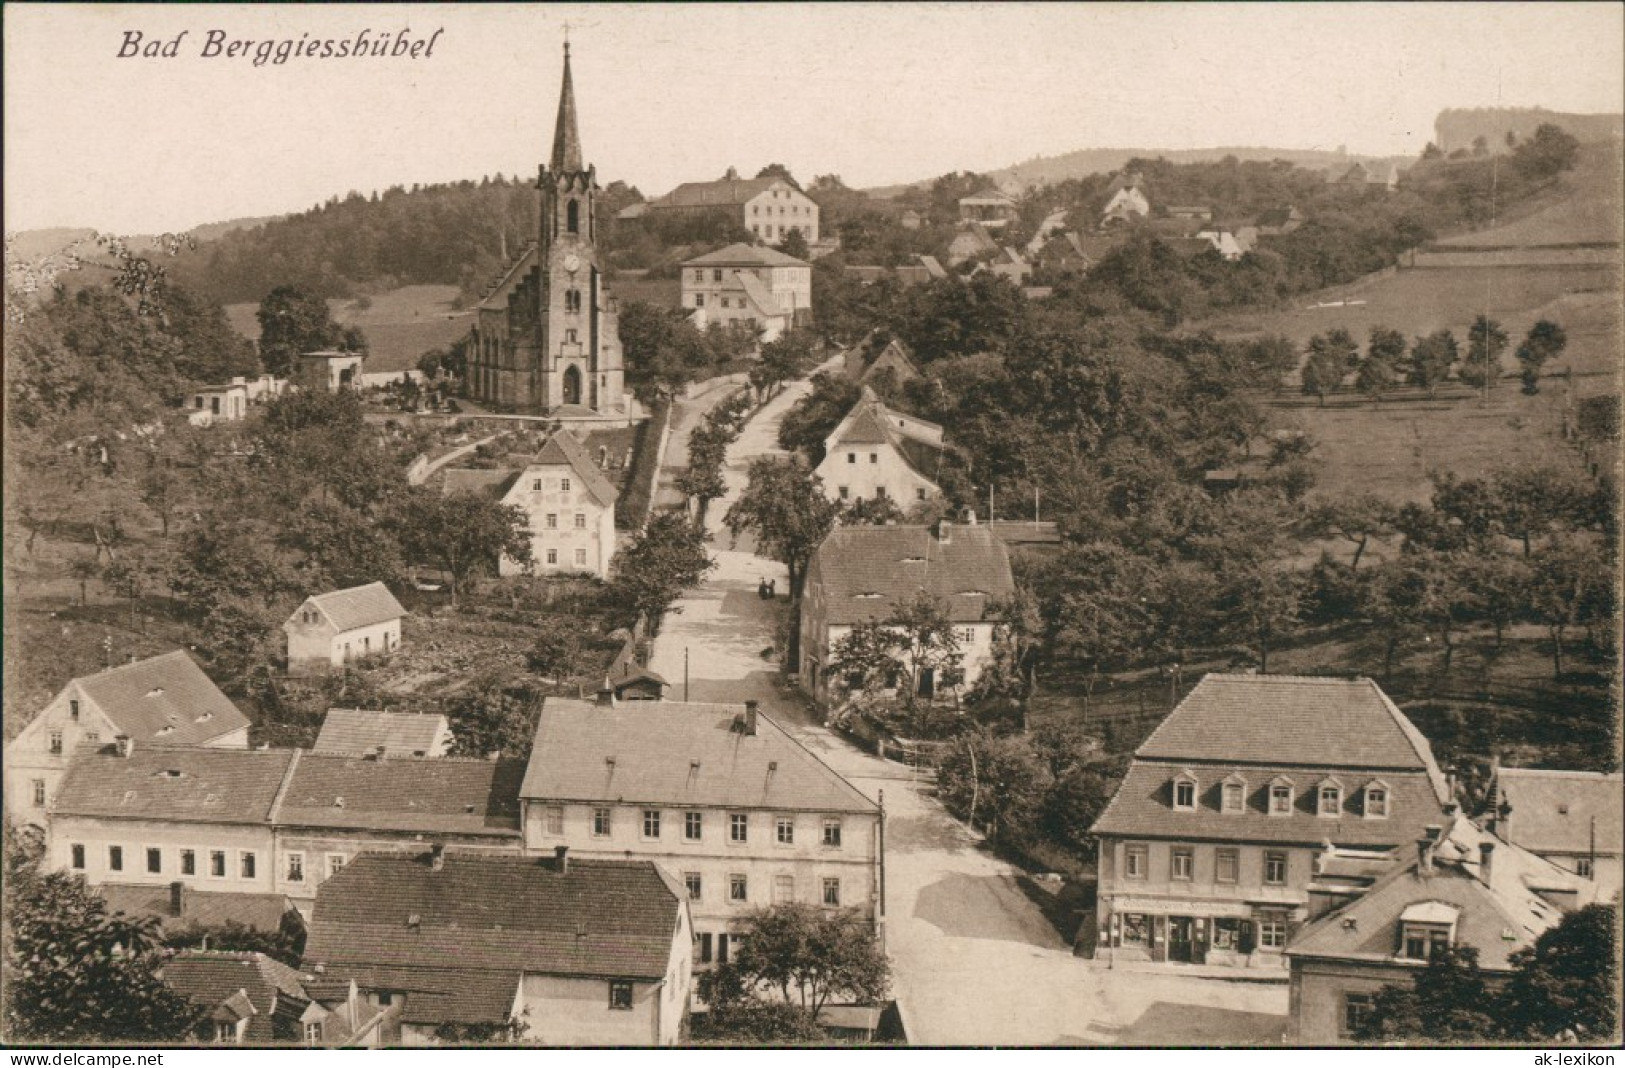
1331,358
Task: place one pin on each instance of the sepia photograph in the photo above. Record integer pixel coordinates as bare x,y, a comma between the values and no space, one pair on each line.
812,526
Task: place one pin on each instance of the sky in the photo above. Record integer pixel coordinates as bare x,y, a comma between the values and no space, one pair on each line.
877,93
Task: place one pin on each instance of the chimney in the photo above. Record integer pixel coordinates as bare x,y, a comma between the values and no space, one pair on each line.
970,517
1486,856
750,718
561,859
1451,808
437,857
124,744
1424,857
943,531
177,898
606,695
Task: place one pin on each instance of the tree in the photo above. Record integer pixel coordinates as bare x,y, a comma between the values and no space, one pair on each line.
784,358
80,975
914,649
558,651
778,170
784,507
129,579
1548,153
1354,519
795,244
1324,368
1431,359
873,511
1000,782
1571,575
1449,1003
286,943
294,321
1485,343
83,569
666,558
494,715
1273,357
465,534
1567,983
1545,341
807,956
812,418
1383,354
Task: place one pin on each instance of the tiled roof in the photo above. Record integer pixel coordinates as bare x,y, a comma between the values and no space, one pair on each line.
257,912
742,255
865,571
563,450
1497,916
1289,719
359,732
1560,811
167,693
518,268
359,606
182,784
495,915
865,429
724,192
434,795
678,753
480,482
1143,806
210,979
444,995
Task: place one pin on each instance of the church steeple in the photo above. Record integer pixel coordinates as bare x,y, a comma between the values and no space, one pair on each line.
566,138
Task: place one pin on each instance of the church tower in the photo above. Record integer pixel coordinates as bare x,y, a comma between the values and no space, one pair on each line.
545,335
579,343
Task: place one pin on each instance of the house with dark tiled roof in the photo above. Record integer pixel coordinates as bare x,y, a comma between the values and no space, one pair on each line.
878,451
875,355
1571,818
579,952
334,808
242,999
1455,886
1125,201
165,700
178,909
862,574
971,241
1209,848
722,797
747,285
331,629
568,500
768,207
991,208
359,732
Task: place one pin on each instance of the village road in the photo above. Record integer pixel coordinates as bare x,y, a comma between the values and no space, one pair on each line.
975,961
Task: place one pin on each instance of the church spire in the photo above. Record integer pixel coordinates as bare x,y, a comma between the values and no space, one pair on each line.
566,138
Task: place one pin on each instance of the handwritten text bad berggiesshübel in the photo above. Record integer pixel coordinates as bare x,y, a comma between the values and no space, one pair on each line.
217,44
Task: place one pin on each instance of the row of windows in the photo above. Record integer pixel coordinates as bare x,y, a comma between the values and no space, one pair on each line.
552,518
693,823
1135,930
1281,798
564,486
784,889
1182,864
185,862
795,209
880,493
580,557
55,741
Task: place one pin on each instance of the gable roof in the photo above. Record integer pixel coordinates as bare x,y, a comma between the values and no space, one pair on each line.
1560,811
761,297
1292,719
678,753
174,783
491,917
740,254
257,912
478,481
246,984
524,263
1498,913
167,693
563,450
724,192
425,795
863,572
357,732
358,606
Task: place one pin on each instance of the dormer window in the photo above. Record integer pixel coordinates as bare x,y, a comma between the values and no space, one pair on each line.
1233,795
1280,797
1426,929
1376,801
1329,798
1185,792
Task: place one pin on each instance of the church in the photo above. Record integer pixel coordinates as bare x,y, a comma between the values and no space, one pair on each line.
545,337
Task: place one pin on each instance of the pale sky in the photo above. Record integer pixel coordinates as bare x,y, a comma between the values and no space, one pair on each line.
878,93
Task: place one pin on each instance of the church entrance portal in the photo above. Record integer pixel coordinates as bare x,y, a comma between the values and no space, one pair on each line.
572,385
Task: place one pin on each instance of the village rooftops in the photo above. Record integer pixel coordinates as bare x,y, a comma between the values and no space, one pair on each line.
457,933
166,699
740,254
1574,812
864,572
184,785
361,732
446,795
178,907
236,986
722,193
358,606
561,450
1492,901
679,753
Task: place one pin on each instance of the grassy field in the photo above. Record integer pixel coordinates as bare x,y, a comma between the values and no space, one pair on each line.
1582,207
400,325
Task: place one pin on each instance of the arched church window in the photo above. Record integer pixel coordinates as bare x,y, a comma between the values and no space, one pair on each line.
572,217
570,337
